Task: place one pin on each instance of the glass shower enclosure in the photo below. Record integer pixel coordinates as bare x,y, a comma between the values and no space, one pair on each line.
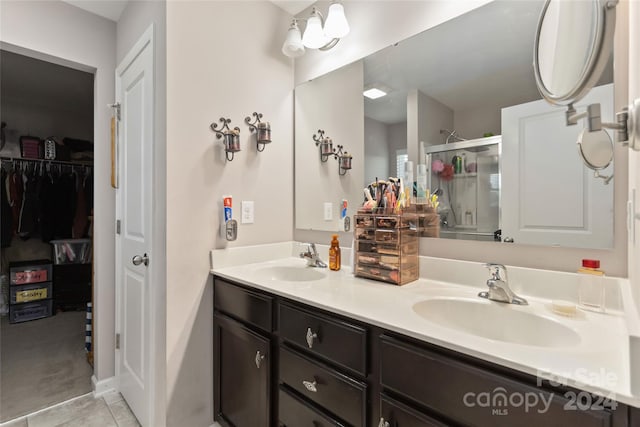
466,177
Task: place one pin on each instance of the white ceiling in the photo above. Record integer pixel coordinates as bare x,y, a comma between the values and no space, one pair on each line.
110,9
293,7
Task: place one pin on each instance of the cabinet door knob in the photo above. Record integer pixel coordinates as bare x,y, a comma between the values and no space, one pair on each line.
259,359
383,423
310,337
311,386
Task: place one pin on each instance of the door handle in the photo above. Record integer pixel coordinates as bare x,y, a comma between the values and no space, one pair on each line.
137,260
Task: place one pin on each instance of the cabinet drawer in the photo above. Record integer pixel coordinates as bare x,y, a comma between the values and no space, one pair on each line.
472,396
337,393
397,414
293,412
250,307
337,341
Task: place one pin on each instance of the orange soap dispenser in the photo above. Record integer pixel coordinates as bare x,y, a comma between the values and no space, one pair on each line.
334,254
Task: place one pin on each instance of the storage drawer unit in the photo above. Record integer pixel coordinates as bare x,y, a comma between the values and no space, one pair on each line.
343,396
30,311
245,305
293,412
31,292
450,387
387,247
32,271
337,341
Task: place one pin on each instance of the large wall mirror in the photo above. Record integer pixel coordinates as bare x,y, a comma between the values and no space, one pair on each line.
464,89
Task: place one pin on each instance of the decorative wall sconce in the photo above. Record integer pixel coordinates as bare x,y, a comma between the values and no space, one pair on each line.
318,34
231,137
325,143
262,130
344,160
326,150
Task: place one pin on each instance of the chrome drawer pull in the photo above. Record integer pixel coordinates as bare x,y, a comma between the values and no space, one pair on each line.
259,359
383,423
310,337
311,386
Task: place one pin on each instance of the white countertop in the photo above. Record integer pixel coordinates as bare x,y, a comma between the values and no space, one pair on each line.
600,363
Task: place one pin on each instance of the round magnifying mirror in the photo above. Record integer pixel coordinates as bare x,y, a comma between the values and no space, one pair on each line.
596,149
572,47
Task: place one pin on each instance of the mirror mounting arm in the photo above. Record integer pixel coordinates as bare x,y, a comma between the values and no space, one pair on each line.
595,123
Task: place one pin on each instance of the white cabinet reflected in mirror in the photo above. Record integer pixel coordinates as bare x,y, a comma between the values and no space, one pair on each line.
473,75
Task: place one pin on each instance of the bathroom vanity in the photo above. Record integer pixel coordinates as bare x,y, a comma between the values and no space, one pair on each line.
290,353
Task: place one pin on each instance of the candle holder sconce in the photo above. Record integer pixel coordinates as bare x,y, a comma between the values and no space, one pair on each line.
344,160
326,145
231,137
262,130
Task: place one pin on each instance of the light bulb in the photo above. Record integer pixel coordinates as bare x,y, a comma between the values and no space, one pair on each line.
293,47
313,36
336,26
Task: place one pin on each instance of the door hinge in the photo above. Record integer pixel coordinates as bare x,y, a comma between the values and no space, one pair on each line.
116,108
118,226
117,341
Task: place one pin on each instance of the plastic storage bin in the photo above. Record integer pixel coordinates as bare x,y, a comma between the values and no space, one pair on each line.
71,251
30,311
31,292
32,271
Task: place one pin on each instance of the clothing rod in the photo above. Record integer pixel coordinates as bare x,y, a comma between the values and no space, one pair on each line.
47,161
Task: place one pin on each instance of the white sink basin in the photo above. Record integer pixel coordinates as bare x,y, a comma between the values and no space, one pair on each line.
291,273
497,321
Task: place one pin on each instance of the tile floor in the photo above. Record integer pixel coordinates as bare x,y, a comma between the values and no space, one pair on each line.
109,410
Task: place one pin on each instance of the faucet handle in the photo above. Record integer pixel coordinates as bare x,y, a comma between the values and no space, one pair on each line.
494,270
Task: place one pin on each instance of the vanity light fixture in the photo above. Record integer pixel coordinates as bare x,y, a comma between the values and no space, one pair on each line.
318,33
231,137
262,130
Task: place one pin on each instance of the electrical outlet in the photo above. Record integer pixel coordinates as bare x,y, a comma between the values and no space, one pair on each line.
328,211
247,212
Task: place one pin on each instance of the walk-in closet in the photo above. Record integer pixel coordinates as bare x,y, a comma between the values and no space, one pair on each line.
46,277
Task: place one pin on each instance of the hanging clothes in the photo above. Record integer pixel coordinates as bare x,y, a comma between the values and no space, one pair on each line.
6,216
29,210
14,191
48,205
65,195
80,219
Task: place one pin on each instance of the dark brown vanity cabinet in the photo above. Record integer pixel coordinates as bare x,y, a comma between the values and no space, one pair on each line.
323,362
243,357
461,392
284,364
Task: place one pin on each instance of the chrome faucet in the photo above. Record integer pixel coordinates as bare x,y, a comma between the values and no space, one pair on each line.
498,288
312,257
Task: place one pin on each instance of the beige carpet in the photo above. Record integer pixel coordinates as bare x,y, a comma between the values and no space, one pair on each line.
43,362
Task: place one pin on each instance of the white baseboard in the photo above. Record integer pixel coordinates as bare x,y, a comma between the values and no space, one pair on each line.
103,386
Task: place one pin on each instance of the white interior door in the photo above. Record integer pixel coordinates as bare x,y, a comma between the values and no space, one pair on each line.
134,86
548,195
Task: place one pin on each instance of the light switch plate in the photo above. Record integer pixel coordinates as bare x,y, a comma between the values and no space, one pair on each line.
328,211
247,216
